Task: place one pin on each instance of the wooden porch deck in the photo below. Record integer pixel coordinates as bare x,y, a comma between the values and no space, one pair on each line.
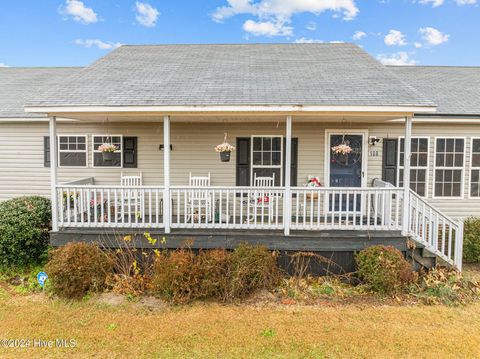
337,246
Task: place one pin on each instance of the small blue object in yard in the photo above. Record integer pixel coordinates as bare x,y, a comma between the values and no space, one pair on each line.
42,277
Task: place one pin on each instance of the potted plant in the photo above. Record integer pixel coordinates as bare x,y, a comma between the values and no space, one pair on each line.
224,149
107,149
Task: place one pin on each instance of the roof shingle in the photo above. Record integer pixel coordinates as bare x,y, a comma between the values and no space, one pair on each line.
456,90
258,74
19,84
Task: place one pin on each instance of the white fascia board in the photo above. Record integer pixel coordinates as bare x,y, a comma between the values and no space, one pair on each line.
229,109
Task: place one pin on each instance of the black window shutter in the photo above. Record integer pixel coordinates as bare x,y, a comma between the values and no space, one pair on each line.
46,151
243,161
389,166
130,152
294,164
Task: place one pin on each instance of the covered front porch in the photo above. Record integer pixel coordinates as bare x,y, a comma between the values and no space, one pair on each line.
351,197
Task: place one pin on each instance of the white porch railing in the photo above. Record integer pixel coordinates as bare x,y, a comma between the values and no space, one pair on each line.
439,233
346,208
81,204
227,207
110,206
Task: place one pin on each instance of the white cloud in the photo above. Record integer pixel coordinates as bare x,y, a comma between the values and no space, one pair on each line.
434,3
358,35
304,40
311,26
79,12
466,2
280,12
3,65
398,59
146,15
102,45
267,28
433,36
395,38
417,45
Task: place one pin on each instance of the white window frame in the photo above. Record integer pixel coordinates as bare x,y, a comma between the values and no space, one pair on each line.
94,150
427,168
252,166
462,180
472,167
72,151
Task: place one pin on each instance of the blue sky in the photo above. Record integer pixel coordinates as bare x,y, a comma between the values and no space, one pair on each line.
77,32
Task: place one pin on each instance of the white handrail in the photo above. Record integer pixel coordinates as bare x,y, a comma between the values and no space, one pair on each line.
438,232
110,206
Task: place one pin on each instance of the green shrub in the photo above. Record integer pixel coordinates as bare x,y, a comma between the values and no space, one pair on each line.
384,269
24,230
471,240
182,276
76,269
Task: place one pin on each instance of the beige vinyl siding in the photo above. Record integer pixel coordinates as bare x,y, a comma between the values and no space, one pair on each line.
22,170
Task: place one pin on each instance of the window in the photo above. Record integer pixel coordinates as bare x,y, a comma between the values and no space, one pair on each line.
475,168
418,164
267,158
98,158
72,151
449,161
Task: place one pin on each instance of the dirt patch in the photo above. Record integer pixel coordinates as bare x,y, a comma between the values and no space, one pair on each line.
152,303
111,298
4,286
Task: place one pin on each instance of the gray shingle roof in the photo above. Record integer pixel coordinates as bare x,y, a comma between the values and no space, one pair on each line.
17,85
258,74
456,90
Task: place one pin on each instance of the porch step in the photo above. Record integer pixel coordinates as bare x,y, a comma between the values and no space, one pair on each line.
420,261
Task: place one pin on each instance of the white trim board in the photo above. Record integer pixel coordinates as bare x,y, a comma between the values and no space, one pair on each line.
406,110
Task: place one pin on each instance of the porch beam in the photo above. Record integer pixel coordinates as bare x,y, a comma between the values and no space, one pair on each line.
287,200
406,175
166,174
53,172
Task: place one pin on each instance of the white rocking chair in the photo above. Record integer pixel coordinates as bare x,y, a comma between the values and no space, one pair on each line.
132,201
262,200
198,202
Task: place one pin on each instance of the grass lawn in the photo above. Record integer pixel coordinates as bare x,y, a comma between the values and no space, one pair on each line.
227,331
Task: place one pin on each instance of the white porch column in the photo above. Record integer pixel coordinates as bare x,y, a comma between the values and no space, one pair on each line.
287,200
406,175
166,173
53,171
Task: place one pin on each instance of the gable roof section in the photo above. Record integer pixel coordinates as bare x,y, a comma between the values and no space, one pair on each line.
221,75
19,84
456,90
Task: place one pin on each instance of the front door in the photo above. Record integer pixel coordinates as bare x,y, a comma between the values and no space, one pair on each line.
346,160
345,169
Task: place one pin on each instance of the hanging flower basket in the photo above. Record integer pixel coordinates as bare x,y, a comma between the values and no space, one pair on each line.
225,156
108,150
224,149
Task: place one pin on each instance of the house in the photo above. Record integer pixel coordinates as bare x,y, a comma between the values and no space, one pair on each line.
293,111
